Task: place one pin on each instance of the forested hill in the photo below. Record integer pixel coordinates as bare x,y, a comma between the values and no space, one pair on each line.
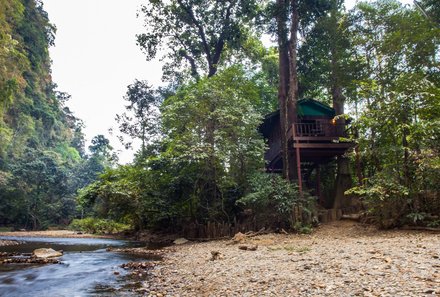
41,143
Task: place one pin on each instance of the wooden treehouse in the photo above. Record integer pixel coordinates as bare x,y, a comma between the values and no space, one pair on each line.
313,140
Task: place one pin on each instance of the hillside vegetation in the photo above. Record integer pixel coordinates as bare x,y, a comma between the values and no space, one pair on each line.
42,156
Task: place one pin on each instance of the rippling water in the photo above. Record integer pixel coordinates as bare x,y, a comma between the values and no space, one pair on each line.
87,269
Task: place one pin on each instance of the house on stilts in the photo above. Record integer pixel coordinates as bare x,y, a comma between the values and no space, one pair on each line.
314,140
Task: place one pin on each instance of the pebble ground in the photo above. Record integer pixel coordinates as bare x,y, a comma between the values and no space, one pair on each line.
339,259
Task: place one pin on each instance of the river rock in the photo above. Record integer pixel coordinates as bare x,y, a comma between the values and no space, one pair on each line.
244,247
216,255
47,253
180,241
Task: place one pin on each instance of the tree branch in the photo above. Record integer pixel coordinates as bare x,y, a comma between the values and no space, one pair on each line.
201,31
221,41
191,60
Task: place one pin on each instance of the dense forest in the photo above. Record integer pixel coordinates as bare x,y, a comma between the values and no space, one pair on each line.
43,161
201,158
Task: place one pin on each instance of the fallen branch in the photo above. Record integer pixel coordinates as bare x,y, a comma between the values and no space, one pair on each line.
260,232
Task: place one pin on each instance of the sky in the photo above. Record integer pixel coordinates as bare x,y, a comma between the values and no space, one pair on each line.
95,58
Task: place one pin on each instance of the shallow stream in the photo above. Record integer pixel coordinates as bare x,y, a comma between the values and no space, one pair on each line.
86,268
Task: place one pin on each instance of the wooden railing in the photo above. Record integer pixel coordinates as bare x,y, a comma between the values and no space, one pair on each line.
319,128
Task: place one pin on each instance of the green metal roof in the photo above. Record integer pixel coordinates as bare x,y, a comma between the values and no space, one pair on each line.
310,107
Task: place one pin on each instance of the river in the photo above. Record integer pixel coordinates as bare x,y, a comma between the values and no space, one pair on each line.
86,269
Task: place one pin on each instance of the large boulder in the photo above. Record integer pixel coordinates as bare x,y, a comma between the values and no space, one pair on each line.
46,253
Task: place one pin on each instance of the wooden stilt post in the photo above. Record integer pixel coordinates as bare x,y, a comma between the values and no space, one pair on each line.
298,161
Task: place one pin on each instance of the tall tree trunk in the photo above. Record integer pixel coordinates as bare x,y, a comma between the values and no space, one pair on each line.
211,173
292,98
288,84
343,183
283,86
343,177
406,155
343,180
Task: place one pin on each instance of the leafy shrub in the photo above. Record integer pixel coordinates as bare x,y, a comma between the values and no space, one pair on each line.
416,217
98,226
386,199
273,200
303,228
434,224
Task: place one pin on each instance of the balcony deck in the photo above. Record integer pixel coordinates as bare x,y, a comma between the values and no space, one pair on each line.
318,141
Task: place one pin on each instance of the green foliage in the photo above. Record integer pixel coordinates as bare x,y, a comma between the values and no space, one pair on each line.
199,139
397,111
434,224
273,199
39,185
212,129
416,217
271,193
197,169
97,226
41,142
12,55
196,34
386,199
327,58
103,151
303,229
142,120
430,9
126,194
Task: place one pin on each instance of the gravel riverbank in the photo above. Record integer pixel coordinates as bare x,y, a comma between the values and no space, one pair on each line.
8,242
49,233
339,259
54,233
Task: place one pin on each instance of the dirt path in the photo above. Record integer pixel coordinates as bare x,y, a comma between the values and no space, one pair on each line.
339,259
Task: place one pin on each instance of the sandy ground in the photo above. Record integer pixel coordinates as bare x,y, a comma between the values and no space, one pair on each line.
339,259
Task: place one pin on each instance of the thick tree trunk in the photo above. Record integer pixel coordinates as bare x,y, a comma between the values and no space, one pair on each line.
288,84
338,105
343,177
283,86
343,183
